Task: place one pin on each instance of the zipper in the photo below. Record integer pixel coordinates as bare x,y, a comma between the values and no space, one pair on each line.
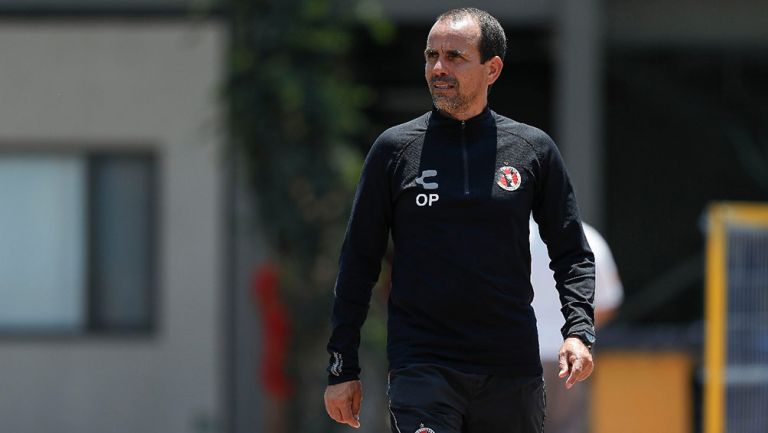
464,154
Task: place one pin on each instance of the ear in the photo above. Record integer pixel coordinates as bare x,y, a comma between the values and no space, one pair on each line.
494,66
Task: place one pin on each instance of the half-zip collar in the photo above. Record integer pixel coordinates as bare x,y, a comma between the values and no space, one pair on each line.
441,120
464,131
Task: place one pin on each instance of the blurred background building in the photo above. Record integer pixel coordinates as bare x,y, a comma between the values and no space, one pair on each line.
129,233
111,178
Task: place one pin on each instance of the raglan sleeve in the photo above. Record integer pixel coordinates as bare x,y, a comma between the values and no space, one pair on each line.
364,245
557,214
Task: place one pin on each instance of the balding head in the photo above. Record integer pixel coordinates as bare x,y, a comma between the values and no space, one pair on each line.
493,41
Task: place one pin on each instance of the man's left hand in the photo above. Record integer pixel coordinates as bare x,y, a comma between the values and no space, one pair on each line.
575,361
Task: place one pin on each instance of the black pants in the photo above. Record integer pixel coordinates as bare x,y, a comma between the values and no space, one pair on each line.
435,399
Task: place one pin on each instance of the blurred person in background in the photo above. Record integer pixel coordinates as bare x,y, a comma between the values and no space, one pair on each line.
567,410
456,187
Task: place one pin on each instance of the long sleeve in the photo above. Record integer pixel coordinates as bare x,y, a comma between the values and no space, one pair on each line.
571,258
360,262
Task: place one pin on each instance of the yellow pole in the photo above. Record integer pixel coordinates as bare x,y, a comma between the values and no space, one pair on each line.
714,408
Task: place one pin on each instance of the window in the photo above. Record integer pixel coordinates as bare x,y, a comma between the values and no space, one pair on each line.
77,242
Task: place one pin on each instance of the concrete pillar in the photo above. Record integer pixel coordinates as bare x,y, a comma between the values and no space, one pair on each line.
578,101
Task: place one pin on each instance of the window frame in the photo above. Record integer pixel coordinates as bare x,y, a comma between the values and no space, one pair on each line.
92,327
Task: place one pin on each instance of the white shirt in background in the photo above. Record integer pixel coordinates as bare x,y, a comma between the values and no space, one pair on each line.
609,291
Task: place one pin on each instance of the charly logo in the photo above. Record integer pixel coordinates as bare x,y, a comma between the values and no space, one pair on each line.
337,364
508,178
427,199
423,429
425,174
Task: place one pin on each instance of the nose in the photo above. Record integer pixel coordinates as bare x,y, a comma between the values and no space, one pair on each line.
438,68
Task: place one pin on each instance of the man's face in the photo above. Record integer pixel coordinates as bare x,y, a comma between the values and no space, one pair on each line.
457,80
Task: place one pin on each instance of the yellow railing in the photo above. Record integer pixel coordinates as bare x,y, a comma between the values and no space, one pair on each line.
721,217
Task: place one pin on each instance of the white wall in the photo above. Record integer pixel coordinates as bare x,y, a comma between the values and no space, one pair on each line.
93,85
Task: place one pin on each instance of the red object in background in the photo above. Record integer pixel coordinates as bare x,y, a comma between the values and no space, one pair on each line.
275,322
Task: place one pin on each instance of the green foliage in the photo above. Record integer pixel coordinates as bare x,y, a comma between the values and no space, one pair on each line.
295,111
294,105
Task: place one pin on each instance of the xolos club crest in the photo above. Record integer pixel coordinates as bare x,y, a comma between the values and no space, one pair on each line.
423,429
508,178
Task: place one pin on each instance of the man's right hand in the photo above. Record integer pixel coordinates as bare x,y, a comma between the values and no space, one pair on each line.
342,402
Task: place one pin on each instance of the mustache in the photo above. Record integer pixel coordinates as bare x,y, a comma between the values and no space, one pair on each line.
447,80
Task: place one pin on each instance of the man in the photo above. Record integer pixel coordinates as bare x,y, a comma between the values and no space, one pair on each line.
567,410
455,187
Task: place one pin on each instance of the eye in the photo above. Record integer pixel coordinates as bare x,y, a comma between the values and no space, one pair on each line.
453,55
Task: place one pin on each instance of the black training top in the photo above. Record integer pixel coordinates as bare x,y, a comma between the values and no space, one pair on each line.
457,196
